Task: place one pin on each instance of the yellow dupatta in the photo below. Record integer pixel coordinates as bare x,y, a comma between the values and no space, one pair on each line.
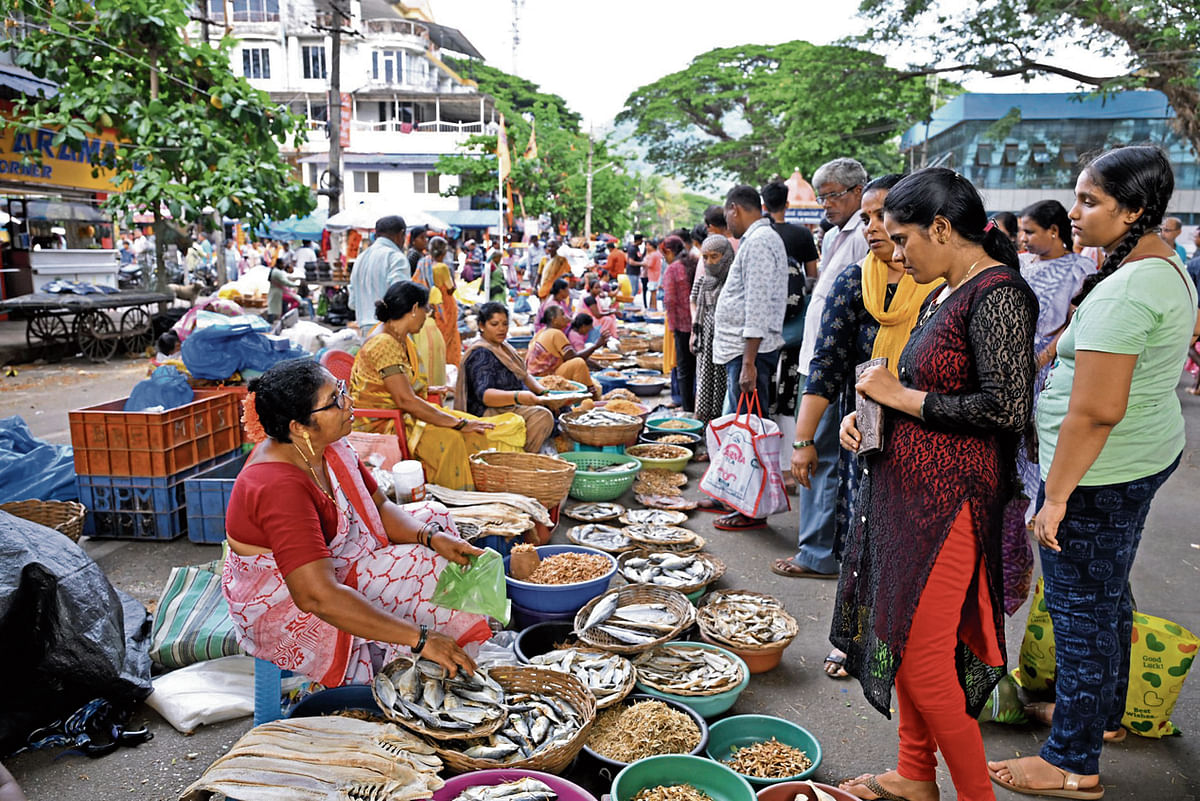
896,323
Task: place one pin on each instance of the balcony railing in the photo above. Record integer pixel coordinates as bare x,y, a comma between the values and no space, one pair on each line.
397,27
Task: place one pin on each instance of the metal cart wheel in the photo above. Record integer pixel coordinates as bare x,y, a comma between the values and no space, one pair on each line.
136,331
48,332
98,338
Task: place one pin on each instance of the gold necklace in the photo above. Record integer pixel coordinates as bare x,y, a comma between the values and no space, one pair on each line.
312,470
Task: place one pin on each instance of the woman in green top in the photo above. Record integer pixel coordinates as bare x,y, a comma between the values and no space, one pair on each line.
1110,432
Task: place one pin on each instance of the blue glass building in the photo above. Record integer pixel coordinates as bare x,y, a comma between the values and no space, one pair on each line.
1021,148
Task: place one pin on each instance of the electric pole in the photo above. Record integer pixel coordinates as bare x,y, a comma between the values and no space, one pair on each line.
587,213
334,190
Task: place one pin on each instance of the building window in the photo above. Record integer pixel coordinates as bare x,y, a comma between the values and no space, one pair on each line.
366,182
313,57
983,155
1011,154
388,66
1068,155
245,10
426,183
418,68
256,62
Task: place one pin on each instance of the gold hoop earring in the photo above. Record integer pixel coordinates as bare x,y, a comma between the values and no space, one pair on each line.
308,444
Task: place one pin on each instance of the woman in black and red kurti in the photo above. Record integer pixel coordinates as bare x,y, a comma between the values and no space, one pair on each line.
920,602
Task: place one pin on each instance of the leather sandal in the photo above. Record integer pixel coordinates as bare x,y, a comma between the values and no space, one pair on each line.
1068,789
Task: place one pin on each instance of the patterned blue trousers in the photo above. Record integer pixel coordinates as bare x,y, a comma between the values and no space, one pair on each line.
1091,606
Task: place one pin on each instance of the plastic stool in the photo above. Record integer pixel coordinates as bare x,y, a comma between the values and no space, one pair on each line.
268,691
617,449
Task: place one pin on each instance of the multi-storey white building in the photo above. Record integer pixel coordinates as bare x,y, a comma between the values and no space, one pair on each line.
407,107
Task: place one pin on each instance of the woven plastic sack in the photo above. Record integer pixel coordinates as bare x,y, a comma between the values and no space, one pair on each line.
191,620
479,587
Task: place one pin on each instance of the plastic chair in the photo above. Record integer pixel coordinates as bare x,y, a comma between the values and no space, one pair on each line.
268,691
338,362
397,418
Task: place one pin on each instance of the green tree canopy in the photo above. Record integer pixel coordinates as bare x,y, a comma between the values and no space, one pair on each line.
754,111
1156,43
556,181
194,134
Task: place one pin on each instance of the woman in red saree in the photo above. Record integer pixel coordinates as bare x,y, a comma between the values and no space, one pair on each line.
325,576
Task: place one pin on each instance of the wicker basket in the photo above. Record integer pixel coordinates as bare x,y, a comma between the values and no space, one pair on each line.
713,609
676,601
544,478
716,567
482,730
650,361
587,486
601,436
625,689
716,596
632,345
656,344
65,517
532,680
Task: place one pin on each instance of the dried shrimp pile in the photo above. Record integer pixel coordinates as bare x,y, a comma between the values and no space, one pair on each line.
676,439
769,759
657,482
644,729
674,424
570,568
671,792
623,406
556,383
657,451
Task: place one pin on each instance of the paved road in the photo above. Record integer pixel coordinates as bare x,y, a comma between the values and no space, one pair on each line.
855,737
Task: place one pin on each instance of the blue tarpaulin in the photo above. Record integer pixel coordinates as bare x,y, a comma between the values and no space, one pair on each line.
31,469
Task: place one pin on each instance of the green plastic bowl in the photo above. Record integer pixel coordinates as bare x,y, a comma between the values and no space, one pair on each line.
744,730
694,426
707,706
600,486
675,465
714,780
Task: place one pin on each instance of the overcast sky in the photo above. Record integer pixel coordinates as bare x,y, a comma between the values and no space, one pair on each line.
595,53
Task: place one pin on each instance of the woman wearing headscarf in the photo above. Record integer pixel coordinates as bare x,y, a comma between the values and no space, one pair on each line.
555,268
717,255
434,273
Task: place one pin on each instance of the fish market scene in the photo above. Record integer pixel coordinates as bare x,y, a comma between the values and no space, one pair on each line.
489,400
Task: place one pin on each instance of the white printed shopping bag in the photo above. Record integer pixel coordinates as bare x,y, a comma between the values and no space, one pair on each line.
743,470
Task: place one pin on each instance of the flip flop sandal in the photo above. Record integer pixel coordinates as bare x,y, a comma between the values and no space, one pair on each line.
1070,787
738,522
786,567
839,661
711,505
872,784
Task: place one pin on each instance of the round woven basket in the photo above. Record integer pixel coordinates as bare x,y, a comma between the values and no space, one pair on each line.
716,567
65,517
674,600
650,361
714,609
544,682
717,596
412,724
632,345
601,436
624,690
544,478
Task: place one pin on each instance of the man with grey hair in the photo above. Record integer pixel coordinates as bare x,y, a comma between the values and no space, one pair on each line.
839,184
377,268
1172,227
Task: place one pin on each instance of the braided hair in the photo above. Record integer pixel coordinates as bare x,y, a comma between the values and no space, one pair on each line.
939,192
1137,177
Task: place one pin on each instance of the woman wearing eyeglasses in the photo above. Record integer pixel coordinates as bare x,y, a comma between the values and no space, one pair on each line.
385,375
325,576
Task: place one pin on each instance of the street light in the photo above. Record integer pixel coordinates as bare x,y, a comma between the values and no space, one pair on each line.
587,214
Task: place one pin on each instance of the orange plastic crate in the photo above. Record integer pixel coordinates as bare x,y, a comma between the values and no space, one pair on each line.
109,441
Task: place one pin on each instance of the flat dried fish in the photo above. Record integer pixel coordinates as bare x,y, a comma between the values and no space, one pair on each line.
605,538
675,502
594,512
690,670
521,503
655,517
652,534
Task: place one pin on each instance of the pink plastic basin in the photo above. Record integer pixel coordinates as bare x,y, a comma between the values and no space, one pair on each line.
567,791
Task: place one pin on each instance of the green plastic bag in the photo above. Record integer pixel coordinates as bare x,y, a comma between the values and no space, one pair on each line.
479,588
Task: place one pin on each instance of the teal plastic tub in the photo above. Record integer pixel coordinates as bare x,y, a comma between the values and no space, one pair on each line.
711,778
740,731
707,706
693,426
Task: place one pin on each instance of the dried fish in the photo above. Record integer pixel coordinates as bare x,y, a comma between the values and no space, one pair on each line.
594,512
643,729
690,670
676,501
606,675
619,394
647,451
535,723
653,534
623,405
676,439
674,424
603,417
749,622
605,538
420,692
671,792
654,517
521,503
769,759
673,570
526,789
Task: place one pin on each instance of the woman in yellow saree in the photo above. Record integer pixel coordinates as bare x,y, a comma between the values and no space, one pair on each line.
385,376
433,272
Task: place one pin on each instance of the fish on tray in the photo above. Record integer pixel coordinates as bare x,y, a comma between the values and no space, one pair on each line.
688,670
606,675
603,417
659,535
594,512
632,624
536,723
668,501
605,538
668,570
655,517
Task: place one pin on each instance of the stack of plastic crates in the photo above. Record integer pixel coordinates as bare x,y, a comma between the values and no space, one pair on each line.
130,466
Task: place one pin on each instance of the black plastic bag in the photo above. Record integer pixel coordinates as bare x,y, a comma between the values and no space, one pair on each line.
69,636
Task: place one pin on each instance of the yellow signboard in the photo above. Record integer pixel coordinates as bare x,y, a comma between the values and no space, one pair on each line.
59,166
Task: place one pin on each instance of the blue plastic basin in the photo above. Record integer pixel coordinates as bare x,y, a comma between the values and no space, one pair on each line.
559,599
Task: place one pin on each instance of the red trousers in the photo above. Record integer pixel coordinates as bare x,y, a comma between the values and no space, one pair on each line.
930,701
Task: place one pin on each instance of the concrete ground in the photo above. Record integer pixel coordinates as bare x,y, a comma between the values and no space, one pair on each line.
855,738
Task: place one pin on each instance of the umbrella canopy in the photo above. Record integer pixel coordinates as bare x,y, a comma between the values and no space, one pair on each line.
309,227
364,215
